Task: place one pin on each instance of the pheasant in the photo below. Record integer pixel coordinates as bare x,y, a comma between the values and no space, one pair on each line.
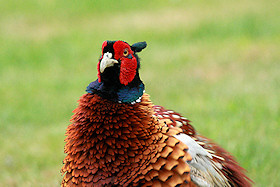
118,137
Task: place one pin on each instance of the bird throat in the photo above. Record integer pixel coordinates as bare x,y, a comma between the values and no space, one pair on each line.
121,94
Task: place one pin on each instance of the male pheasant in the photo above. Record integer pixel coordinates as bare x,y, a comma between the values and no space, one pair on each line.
119,138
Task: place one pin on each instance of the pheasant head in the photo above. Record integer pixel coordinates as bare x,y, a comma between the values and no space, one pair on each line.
118,72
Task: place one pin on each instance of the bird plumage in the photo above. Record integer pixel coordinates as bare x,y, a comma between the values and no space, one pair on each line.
234,173
117,137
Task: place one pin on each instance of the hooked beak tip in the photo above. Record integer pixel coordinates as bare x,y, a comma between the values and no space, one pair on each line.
107,61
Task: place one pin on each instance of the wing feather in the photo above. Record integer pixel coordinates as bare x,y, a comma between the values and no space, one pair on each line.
204,171
222,162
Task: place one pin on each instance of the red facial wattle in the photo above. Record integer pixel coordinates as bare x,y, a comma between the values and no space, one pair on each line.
128,65
104,45
127,70
98,70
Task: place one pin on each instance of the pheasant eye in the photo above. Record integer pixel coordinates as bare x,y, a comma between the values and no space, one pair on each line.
125,53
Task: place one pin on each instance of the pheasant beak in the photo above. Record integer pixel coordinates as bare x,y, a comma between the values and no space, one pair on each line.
107,61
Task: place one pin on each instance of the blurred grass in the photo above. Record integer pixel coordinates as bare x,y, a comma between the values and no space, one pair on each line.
216,62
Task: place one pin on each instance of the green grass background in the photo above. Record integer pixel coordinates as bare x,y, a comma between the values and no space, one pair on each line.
216,62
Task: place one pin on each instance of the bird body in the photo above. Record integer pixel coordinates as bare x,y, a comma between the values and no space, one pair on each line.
118,137
110,143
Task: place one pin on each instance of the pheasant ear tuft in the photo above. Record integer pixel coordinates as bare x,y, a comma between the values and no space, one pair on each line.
139,46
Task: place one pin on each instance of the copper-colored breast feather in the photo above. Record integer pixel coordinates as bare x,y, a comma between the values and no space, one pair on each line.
114,144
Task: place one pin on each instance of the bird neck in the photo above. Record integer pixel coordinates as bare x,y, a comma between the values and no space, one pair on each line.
130,93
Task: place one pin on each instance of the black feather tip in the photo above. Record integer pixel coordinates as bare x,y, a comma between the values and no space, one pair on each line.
139,46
